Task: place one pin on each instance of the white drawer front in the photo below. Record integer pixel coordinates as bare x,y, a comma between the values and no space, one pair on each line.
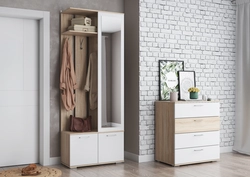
197,139
83,149
196,110
199,154
111,147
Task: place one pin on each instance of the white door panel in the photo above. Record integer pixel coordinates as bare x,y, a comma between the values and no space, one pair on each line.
18,98
30,56
18,91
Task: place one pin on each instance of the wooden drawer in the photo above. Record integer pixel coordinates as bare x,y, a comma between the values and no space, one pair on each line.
196,110
111,147
195,155
197,139
189,125
83,149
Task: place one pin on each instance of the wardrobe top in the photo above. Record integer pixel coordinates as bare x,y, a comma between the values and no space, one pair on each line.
190,101
79,11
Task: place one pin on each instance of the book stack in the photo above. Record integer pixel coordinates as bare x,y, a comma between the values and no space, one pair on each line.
83,28
82,24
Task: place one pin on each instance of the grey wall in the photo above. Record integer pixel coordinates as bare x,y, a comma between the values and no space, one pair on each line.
54,7
132,76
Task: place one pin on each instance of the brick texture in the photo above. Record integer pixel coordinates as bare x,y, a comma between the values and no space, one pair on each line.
202,34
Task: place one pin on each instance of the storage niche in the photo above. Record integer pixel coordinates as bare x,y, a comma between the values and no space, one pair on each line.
100,35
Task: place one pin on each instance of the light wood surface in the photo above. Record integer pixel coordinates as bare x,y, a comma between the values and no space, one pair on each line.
230,165
80,11
65,18
93,113
81,72
65,145
190,102
164,132
79,33
197,124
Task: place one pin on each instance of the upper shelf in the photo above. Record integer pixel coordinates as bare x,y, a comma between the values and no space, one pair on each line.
79,33
79,11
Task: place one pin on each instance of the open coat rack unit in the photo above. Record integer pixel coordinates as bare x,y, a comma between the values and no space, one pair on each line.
101,53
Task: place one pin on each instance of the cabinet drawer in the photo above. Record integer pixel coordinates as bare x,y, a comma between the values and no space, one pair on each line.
193,155
197,110
189,125
197,139
83,149
111,147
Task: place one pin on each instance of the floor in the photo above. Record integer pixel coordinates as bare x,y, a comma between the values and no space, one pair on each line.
230,165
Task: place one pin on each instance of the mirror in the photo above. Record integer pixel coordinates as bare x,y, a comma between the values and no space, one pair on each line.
111,57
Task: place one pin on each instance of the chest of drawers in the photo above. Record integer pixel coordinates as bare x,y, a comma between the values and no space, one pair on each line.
187,132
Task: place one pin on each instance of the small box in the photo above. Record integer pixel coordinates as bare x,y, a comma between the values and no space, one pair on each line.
81,21
82,28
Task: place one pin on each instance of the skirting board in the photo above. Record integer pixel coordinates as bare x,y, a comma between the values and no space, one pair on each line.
150,158
54,160
138,158
226,149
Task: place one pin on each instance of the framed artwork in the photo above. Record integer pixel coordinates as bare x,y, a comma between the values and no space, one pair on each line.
168,77
186,80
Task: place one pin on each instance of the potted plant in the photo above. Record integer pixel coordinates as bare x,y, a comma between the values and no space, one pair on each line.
193,92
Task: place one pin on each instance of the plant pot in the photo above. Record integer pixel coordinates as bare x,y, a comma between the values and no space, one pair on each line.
193,95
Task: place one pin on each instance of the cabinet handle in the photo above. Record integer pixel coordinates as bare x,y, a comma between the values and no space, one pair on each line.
198,135
198,150
198,105
111,135
80,137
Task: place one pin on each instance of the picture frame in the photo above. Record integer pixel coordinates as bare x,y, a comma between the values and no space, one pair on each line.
186,80
168,77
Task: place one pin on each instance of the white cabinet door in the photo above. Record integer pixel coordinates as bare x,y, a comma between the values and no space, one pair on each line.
111,147
83,149
196,110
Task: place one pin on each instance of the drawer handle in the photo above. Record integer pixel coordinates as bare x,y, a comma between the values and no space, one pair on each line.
198,105
80,137
198,135
198,150
111,135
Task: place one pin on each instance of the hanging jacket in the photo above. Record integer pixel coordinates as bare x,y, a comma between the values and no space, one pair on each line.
91,81
67,78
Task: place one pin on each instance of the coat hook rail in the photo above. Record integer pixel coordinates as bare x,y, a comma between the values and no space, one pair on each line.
81,44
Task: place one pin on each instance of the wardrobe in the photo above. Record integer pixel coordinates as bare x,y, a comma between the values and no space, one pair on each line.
105,142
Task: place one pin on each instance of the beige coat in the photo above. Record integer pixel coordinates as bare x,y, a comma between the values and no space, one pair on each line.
67,78
91,81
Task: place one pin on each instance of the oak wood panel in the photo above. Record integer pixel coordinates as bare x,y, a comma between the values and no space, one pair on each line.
65,21
81,63
201,124
80,11
65,148
93,113
79,33
164,132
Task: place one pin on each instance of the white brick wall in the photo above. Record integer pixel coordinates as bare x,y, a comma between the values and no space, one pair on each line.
202,34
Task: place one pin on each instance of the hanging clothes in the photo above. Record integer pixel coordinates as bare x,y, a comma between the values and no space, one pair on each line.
91,81
67,78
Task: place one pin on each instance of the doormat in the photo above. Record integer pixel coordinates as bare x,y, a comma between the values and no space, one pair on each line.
45,172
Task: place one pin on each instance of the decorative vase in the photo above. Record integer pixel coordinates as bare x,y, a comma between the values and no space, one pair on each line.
193,95
173,96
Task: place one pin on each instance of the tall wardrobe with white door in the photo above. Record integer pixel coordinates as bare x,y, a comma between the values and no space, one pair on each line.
105,142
